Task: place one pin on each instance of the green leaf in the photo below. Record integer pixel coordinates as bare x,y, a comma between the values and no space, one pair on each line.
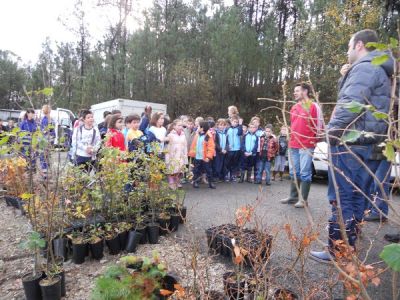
378,60
377,46
4,140
380,115
394,43
351,136
389,152
391,256
354,107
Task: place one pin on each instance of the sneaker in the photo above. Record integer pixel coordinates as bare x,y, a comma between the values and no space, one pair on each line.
375,218
267,183
233,179
321,256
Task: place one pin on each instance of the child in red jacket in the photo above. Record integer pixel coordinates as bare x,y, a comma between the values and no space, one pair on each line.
114,137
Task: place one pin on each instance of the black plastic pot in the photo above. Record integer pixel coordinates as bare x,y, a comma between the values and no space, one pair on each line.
51,291
153,233
134,238
79,253
97,249
164,224
113,245
234,290
174,222
31,286
123,238
8,201
60,247
63,291
282,294
143,231
182,214
168,282
137,266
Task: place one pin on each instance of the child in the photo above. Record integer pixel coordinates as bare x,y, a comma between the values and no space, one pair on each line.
134,134
157,131
267,151
188,125
176,156
202,151
233,156
86,142
257,121
280,159
221,148
114,136
249,151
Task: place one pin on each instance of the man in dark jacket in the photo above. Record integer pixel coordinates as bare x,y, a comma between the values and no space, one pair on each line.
355,136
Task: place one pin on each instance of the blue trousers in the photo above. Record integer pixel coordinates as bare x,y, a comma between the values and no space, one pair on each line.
261,167
249,162
382,178
300,163
355,176
232,160
219,167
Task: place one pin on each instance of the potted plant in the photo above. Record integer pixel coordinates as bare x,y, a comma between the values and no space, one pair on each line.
51,287
123,231
132,262
234,285
112,239
145,282
153,232
96,241
257,286
14,180
284,294
79,247
30,281
164,222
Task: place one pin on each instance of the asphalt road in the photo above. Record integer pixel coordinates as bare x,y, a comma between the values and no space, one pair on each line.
208,207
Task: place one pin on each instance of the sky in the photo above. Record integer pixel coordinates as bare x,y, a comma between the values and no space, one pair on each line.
25,24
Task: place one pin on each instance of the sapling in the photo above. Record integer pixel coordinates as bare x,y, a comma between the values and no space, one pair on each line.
33,244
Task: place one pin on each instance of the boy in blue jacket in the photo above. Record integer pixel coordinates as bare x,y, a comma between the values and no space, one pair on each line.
221,149
249,149
233,156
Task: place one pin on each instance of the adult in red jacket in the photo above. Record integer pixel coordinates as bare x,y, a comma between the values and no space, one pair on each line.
305,122
114,137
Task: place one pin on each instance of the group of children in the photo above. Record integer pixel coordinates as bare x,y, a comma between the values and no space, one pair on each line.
226,150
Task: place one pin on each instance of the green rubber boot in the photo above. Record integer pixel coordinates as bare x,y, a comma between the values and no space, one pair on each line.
304,190
294,195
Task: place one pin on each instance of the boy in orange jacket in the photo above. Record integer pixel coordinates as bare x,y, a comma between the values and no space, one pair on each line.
202,151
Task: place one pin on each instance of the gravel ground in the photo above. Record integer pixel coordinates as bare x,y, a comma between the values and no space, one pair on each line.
206,208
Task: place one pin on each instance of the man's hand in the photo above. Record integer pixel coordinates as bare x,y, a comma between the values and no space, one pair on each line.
247,154
206,159
240,121
223,151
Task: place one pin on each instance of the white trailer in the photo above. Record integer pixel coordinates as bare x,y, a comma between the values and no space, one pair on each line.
126,106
